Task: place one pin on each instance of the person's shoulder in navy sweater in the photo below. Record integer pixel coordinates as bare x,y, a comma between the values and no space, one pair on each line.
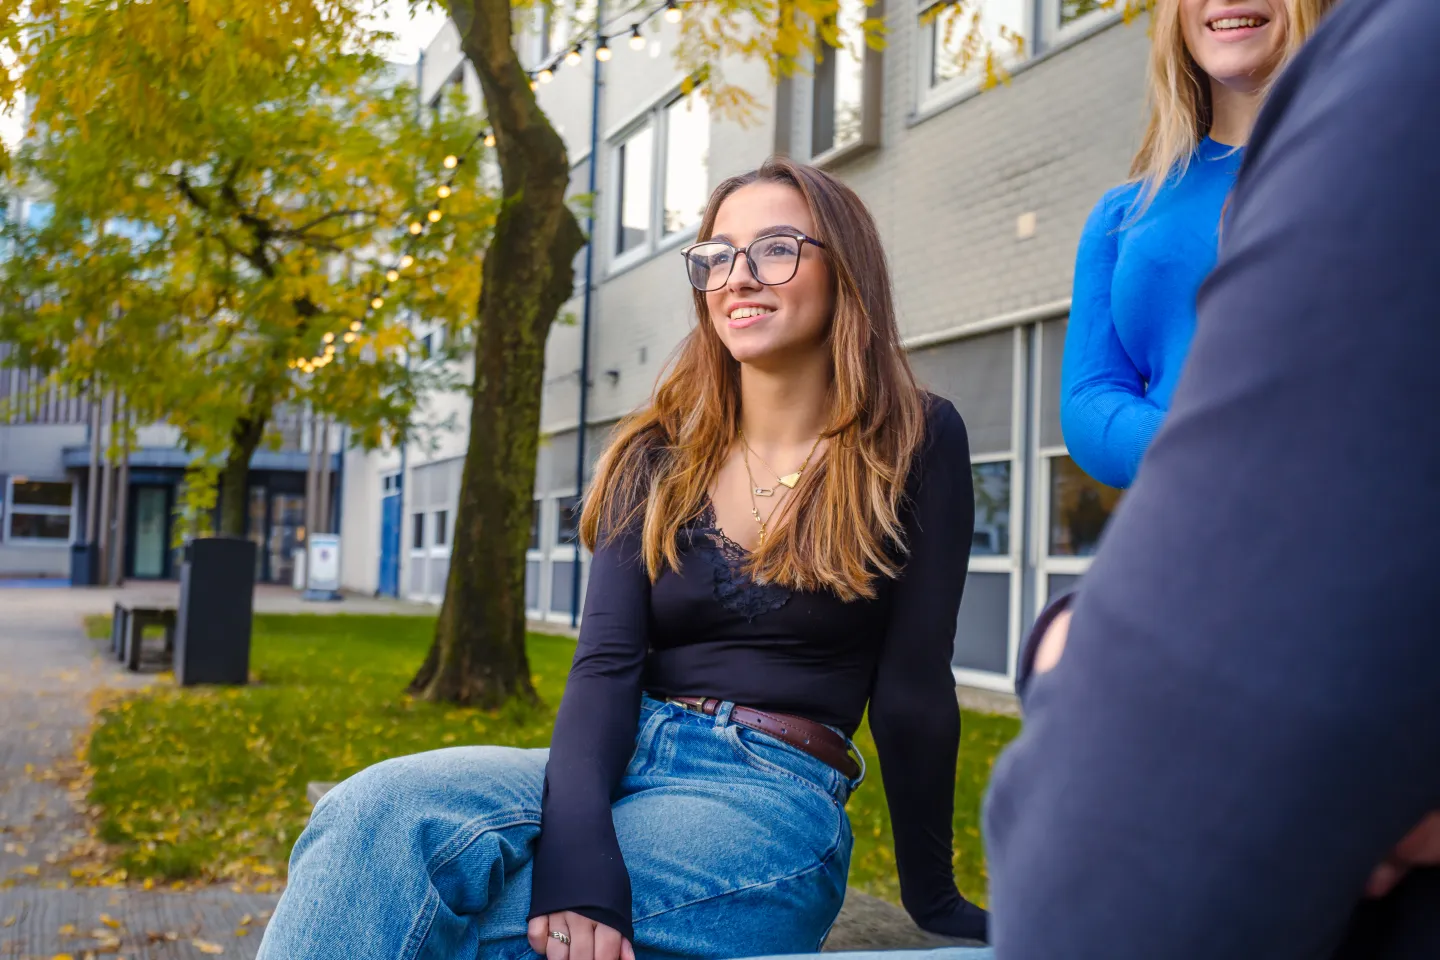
1245,720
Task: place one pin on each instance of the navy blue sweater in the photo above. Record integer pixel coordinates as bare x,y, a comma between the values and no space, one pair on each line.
1246,718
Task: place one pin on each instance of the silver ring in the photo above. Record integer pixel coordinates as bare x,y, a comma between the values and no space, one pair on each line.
562,936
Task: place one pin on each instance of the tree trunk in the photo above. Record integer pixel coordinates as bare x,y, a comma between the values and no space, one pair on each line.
244,441
478,656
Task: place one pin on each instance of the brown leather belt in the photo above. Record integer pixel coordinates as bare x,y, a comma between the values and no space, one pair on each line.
807,736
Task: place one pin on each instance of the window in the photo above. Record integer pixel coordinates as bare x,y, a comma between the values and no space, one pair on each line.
40,510
662,175
1062,15
567,530
417,532
992,509
427,347
962,39
687,163
845,112
535,525
1080,506
633,161
442,528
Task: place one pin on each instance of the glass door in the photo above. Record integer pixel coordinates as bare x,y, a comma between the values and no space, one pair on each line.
287,531
152,515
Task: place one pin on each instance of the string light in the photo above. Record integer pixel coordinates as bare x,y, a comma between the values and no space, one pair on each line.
672,12
573,57
602,51
434,216
355,326
451,161
637,42
392,275
329,337
489,139
330,351
405,263
292,364
377,303
349,337
416,226
546,75
444,191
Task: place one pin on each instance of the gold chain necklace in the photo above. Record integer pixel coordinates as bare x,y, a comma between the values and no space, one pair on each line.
789,481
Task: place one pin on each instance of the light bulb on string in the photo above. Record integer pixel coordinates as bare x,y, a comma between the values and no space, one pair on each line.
416,226
545,75
377,303
392,274
330,351
637,42
534,85
434,216
672,12
451,161
444,191
355,326
406,261
602,50
573,57
291,364
349,336
489,139
329,337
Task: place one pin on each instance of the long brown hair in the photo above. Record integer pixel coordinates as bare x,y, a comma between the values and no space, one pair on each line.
1181,111
843,528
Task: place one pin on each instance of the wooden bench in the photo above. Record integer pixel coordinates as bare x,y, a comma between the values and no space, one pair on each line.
865,922
127,632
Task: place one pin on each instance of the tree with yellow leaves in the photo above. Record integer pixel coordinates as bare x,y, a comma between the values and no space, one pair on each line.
234,193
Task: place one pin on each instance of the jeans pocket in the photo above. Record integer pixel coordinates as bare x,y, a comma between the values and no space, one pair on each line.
776,758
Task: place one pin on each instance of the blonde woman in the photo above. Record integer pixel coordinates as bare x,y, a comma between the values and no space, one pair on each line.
780,540
1150,242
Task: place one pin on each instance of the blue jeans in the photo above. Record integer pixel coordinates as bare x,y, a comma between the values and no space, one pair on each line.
736,843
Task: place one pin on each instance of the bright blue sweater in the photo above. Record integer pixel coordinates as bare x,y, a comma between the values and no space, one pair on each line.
1133,312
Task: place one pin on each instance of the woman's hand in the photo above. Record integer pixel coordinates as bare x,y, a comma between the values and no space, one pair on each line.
588,940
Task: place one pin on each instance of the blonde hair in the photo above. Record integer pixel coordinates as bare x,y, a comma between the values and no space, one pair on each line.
843,528
1181,112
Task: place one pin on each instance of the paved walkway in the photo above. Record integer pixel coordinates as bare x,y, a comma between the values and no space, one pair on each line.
48,672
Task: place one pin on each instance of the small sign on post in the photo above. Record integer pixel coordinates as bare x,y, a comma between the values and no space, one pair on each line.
322,566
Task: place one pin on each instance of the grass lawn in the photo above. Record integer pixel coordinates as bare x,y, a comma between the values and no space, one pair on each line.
210,783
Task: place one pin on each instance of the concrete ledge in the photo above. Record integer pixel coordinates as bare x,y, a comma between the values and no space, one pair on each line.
865,922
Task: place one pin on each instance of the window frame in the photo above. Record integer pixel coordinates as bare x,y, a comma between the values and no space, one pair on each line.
931,99
540,557
655,116
872,98
1054,33
8,515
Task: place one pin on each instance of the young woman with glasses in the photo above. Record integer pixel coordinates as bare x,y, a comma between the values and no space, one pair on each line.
1150,242
779,539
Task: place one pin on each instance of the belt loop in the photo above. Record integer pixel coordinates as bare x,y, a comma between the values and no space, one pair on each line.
722,715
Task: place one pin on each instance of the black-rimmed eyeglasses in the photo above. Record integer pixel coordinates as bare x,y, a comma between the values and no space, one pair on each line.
773,260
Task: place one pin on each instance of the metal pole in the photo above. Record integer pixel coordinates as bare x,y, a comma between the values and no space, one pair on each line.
596,84
322,521
122,497
308,431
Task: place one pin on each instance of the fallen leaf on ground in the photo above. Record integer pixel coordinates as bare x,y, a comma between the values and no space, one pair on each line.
205,946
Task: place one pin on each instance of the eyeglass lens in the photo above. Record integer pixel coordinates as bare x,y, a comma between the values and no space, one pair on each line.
773,261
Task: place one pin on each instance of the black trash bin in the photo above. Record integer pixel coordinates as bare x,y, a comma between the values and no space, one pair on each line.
84,564
212,630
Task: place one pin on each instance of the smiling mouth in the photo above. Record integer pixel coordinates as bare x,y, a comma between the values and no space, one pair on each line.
745,316
1225,24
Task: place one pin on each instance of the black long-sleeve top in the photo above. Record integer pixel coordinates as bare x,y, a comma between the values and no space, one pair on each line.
707,630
